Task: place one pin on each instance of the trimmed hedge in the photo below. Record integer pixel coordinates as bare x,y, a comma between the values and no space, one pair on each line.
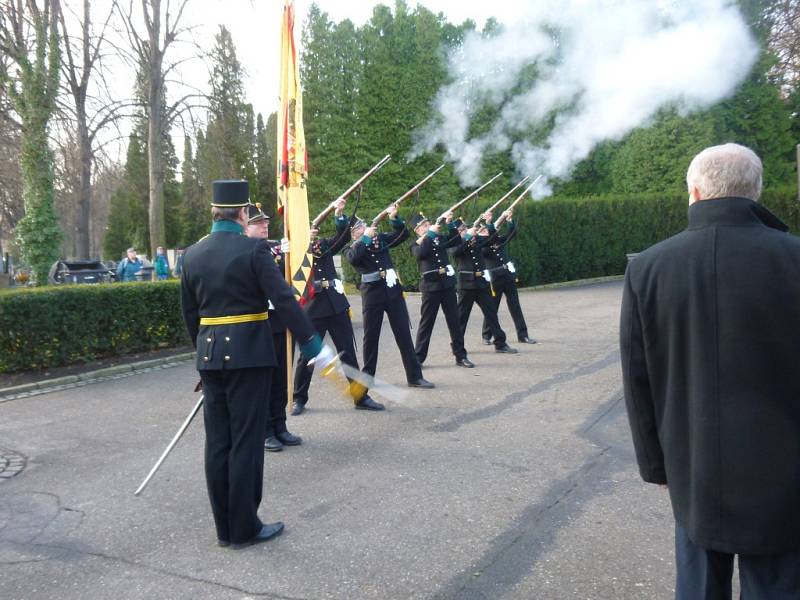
563,239
53,326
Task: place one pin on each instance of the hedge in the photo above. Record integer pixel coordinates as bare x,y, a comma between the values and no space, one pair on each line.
563,239
53,326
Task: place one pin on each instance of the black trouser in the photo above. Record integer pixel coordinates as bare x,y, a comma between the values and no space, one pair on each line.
431,301
235,415
397,312
466,298
278,395
506,285
706,575
341,330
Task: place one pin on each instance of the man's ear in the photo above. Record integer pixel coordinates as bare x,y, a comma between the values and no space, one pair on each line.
694,194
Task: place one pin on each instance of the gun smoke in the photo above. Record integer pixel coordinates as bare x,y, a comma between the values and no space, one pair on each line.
600,68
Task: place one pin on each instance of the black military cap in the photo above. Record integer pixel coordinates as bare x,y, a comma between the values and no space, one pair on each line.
231,193
417,219
357,222
254,213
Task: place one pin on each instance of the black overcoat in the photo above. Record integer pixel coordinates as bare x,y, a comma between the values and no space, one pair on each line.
710,343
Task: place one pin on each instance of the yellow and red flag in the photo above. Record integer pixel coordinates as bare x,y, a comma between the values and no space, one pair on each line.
292,169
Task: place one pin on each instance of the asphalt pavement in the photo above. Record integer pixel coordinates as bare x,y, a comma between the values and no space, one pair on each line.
513,480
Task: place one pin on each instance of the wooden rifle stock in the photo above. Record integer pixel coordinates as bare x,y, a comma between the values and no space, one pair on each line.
469,197
385,212
329,209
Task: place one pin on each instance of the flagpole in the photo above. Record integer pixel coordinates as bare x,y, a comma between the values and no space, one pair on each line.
289,341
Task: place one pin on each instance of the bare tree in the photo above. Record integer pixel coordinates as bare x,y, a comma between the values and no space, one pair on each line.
92,108
784,41
162,29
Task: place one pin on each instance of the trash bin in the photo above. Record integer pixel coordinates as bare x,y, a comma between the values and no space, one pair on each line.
79,271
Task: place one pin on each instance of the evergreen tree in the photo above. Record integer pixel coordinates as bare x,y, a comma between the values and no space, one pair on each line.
127,218
266,145
195,215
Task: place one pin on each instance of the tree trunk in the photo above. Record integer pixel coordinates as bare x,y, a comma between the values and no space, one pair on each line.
84,204
154,133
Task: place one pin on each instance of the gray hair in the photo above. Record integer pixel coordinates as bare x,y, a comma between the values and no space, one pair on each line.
726,170
225,214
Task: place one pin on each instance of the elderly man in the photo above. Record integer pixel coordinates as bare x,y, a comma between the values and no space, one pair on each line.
709,340
129,266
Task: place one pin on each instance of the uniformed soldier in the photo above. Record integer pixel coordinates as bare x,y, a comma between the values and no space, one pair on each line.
227,281
474,281
382,292
329,311
437,284
276,435
504,281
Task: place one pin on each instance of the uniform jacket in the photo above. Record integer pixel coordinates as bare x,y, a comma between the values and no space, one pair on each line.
431,255
710,344
326,300
227,274
496,255
371,255
469,260
276,323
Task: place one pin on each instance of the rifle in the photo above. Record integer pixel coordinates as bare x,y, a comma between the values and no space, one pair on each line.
385,212
499,202
502,218
441,217
330,208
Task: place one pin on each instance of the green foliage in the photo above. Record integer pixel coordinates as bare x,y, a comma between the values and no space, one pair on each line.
127,218
62,325
33,97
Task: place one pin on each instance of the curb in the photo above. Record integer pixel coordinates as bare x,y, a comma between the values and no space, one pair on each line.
574,283
70,381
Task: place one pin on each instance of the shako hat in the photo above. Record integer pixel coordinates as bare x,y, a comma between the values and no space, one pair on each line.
230,193
254,213
417,220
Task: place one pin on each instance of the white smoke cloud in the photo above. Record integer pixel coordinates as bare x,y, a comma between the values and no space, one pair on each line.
615,64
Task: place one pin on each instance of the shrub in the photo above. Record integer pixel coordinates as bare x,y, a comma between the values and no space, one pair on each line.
52,326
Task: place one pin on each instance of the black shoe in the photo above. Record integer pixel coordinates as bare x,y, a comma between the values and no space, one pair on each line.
272,444
367,403
289,439
527,340
268,531
465,362
298,408
421,383
223,543
506,349
487,341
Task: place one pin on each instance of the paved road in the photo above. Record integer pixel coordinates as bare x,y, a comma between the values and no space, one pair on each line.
514,480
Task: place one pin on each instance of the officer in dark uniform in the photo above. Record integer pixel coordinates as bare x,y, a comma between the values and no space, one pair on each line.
382,292
276,435
504,281
227,281
474,282
438,285
329,311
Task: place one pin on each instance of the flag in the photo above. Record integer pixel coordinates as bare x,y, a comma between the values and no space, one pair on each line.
292,171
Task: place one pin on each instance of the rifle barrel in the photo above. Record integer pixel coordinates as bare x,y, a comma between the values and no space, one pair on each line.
375,168
468,197
499,202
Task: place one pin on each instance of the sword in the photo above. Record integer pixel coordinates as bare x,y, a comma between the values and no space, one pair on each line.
171,445
354,382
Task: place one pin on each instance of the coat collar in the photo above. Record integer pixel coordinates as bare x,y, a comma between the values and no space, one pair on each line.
732,211
226,226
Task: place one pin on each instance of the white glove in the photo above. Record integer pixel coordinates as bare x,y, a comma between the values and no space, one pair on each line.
391,278
487,275
450,271
337,285
511,268
285,245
